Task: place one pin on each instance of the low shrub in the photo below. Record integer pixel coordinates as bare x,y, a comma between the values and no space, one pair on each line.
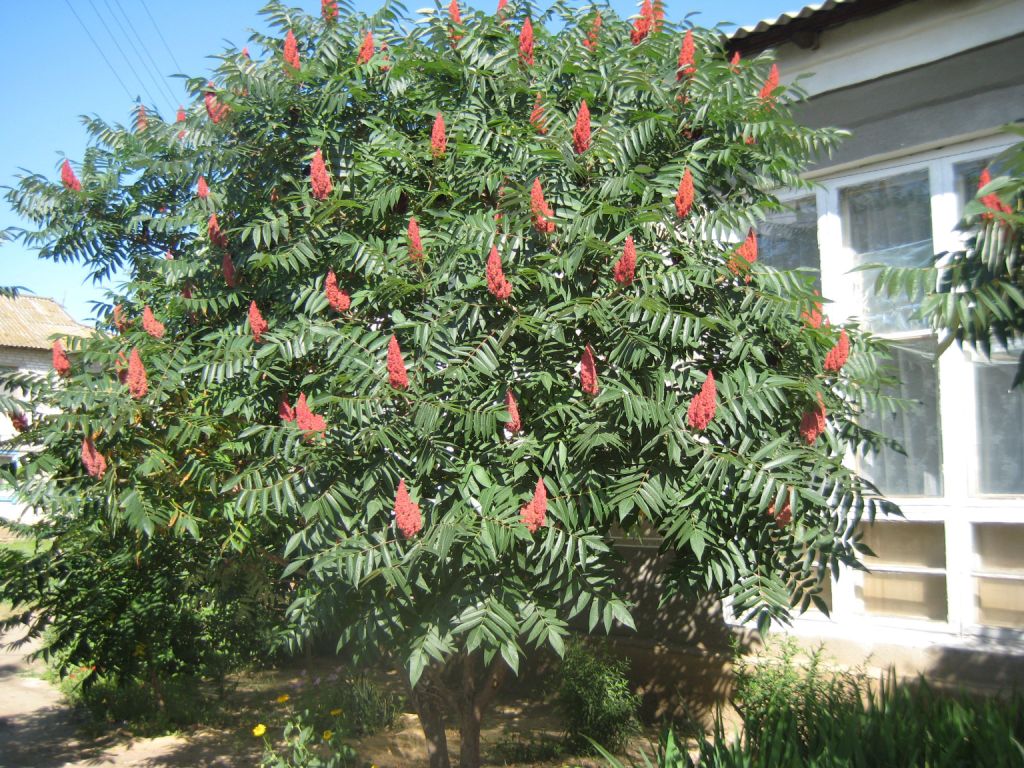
595,699
306,745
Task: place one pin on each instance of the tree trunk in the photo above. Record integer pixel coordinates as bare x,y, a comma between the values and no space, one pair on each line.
474,699
427,700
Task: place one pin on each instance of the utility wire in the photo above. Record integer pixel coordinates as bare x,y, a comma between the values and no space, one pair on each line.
100,50
121,50
145,49
154,78
162,38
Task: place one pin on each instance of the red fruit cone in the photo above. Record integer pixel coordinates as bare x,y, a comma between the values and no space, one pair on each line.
686,54
438,139
94,462
581,133
257,324
366,49
625,267
588,372
534,513
415,243
291,51
138,385
150,324
61,364
526,43
514,424
319,178
499,287
684,197
408,519
397,375
703,405
337,298
68,177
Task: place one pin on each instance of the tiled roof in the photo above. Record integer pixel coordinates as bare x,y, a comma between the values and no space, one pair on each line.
30,321
804,25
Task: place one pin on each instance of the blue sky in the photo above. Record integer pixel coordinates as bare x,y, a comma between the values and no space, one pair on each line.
54,74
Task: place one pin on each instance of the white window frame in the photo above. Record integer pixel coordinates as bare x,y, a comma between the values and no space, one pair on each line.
960,506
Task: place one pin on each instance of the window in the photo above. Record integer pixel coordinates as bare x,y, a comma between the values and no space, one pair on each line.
789,239
999,575
1000,428
908,576
887,222
918,472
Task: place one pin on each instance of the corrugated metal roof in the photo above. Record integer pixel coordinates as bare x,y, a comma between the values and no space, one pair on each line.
787,18
30,321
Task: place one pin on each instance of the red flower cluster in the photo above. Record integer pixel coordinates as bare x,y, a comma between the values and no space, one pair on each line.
415,243
407,513
703,405
746,254
686,53
590,42
118,318
813,318
257,324
19,420
456,18
319,178
61,364
540,210
839,354
991,200
684,197
93,461
514,424
438,139
768,89
181,114
138,386
329,10
337,298
534,512
499,287
68,177
643,25
217,237
141,119
526,43
228,268
812,423
366,49
150,324
202,188
625,267
537,116
307,421
588,372
581,133
285,411
783,516
291,51
397,374
214,109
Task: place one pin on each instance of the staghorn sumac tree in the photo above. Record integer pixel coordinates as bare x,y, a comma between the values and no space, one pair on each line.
445,302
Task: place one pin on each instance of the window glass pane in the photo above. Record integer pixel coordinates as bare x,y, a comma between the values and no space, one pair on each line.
967,175
910,595
789,239
887,222
1000,425
999,547
906,544
918,473
999,602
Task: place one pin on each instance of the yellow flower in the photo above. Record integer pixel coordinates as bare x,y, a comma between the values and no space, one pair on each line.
259,730
283,698
328,735
335,712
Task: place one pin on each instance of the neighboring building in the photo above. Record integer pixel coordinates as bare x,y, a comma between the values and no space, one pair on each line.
28,325
925,87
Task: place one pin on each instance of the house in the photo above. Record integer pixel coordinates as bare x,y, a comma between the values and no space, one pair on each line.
925,88
28,325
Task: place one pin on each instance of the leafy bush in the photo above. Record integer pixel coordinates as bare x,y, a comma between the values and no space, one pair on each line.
307,746
595,699
807,716
367,707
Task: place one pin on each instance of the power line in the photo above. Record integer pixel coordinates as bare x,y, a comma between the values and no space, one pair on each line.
121,50
127,37
145,50
97,45
162,39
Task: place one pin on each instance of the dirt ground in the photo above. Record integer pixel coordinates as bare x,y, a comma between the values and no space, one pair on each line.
38,729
